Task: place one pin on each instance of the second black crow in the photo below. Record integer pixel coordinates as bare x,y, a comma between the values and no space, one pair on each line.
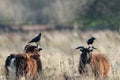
36,39
90,41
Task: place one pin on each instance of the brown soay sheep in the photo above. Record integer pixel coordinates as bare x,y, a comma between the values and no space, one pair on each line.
99,63
23,65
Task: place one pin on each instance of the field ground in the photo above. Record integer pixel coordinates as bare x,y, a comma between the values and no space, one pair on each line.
59,57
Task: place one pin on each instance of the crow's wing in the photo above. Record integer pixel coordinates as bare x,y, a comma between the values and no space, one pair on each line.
36,39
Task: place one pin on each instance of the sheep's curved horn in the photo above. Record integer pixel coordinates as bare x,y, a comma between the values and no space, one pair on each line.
80,47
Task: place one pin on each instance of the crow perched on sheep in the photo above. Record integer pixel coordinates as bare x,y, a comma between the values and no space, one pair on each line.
90,41
36,39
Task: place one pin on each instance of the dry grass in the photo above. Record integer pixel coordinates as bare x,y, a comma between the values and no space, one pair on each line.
59,58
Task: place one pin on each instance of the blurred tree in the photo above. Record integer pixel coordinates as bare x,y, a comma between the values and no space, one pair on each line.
90,13
105,12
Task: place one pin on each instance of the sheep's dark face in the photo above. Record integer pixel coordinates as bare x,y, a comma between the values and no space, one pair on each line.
86,54
85,58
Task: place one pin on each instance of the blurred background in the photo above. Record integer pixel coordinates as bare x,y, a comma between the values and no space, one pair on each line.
65,25
84,14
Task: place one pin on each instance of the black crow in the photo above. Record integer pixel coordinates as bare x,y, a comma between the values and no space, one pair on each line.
36,39
90,41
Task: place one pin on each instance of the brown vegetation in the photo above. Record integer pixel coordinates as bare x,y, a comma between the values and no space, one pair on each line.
59,59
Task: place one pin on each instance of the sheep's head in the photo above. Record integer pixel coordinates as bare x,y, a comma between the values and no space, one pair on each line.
30,48
86,54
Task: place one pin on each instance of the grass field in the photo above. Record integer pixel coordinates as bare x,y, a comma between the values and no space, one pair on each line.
59,57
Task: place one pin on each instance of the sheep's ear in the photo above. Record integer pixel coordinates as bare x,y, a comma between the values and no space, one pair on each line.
80,47
26,47
12,55
92,48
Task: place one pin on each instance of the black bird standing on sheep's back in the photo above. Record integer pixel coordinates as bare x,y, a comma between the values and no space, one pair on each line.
90,41
36,39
